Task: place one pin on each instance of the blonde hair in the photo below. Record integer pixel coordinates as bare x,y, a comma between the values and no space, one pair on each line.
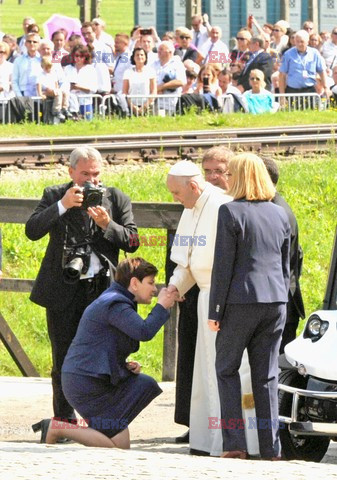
46,62
250,178
5,46
259,74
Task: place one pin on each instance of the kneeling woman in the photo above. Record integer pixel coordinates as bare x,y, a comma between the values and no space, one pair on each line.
249,292
97,380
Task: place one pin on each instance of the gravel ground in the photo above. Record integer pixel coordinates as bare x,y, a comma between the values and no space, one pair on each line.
153,453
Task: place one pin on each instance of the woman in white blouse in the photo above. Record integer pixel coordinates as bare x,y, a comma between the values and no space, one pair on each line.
139,80
6,69
82,78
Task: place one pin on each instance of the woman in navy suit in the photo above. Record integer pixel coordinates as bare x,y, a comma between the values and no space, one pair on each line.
106,389
249,291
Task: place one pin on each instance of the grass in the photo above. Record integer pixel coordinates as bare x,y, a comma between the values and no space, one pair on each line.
117,19
159,124
309,185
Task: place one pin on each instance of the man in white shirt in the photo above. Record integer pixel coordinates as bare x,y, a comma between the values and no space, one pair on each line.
214,50
101,35
231,102
201,29
102,58
171,76
147,43
22,40
121,60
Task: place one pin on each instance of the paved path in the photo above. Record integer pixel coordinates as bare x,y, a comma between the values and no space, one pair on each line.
153,454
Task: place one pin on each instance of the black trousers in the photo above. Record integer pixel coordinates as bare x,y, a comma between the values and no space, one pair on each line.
257,327
187,339
62,326
293,318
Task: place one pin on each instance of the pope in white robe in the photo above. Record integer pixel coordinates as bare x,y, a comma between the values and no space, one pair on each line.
193,252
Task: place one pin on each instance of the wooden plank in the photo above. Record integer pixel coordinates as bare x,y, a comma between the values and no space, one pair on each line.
15,350
147,215
170,346
21,285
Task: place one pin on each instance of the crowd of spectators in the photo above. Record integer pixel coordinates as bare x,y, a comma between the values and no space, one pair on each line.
149,74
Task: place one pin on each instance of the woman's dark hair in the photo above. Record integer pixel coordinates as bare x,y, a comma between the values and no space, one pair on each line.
82,50
132,58
133,267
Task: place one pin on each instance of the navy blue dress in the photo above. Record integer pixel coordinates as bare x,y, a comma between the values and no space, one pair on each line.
95,379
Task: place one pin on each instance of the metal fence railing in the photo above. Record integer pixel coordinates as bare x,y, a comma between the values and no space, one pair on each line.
299,101
153,105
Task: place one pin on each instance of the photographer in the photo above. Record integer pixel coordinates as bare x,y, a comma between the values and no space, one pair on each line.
86,242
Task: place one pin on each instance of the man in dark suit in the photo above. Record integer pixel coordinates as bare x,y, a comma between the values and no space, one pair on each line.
259,59
295,306
184,50
90,236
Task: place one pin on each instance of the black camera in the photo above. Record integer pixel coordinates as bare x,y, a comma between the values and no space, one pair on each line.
167,78
76,260
146,31
92,195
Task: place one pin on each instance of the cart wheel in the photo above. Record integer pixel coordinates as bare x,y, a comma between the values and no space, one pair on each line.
297,447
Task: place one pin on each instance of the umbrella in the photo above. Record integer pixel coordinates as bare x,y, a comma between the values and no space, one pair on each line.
56,22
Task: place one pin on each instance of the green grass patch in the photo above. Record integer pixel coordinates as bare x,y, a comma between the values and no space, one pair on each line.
309,185
11,14
204,121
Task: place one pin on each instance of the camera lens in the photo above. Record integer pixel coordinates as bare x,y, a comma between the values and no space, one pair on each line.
72,271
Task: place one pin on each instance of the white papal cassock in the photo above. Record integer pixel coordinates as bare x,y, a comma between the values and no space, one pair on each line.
194,261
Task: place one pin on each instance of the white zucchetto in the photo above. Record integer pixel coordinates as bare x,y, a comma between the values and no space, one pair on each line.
184,168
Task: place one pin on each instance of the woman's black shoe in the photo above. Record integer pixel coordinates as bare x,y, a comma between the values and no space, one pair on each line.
43,427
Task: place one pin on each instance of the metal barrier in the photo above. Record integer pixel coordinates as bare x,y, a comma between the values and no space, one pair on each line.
165,105
298,101
4,104
140,105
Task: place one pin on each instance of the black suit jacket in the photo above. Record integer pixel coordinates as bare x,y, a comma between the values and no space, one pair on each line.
251,257
296,259
263,62
190,54
49,289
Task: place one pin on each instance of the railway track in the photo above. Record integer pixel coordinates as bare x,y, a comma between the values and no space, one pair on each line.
118,149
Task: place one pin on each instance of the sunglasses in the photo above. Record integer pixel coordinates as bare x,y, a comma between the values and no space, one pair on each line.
255,78
334,33
184,37
32,41
3,52
276,30
241,38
